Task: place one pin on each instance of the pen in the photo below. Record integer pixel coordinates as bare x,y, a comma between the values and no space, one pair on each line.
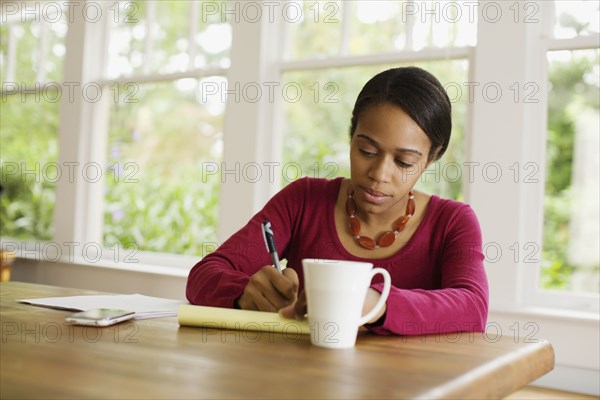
267,232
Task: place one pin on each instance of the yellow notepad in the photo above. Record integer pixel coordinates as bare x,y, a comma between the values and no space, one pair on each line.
227,318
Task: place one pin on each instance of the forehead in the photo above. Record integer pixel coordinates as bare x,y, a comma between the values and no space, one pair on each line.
391,126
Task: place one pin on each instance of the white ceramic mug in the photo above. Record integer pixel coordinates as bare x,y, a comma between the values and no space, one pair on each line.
335,296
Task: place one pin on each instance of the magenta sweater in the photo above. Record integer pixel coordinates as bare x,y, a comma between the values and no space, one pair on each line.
438,278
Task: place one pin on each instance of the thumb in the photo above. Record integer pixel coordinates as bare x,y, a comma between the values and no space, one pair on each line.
288,312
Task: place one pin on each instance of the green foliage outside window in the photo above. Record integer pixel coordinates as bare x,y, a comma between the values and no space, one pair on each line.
28,155
29,130
159,195
573,92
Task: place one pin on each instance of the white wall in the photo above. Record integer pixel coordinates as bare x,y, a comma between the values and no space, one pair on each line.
102,278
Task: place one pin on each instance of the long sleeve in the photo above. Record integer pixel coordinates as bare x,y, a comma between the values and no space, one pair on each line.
220,277
461,302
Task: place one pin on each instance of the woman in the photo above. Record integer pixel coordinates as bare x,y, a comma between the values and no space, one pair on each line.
431,247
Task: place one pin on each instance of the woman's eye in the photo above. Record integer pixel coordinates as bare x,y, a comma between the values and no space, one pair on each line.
367,153
403,164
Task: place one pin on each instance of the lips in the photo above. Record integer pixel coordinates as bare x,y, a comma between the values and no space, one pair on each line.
373,196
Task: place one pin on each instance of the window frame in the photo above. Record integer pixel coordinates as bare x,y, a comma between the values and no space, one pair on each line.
581,302
85,137
252,131
514,286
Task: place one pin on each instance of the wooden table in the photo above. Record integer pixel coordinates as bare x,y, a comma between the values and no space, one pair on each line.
41,357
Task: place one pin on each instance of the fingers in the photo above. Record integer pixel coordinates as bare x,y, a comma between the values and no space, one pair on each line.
288,288
296,310
253,299
288,312
270,290
246,303
300,308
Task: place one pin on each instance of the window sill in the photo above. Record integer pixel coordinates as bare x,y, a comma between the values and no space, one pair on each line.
137,267
554,314
173,265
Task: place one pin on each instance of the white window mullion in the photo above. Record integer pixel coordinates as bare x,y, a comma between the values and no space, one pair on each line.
82,128
42,52
410,27
347,7
11,58
576,43
531,207
469,133
193,30
547,12
149,38
249,127
196,73
378,59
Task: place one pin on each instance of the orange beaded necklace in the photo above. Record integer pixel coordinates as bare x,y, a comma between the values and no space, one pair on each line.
388,237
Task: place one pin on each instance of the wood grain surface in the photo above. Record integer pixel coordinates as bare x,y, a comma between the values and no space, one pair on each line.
43,357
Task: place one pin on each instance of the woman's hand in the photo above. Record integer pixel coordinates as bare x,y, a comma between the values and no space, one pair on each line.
298,310
370,302
270,290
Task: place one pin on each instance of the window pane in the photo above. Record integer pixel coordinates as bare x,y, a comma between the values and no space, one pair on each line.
575,18
314,28
28,156
317,120
31,56
167,37
32,51
387,26
161,195
570,257
378,27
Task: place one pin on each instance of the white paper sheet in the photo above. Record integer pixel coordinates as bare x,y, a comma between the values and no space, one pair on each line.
143,306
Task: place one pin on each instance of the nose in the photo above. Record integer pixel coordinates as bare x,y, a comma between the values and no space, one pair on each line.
381,169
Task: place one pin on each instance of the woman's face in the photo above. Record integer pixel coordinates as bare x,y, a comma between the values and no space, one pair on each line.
388,154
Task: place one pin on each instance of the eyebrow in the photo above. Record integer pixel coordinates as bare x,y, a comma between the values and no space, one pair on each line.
400,149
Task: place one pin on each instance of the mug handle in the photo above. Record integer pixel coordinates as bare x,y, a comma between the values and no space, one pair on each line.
387,284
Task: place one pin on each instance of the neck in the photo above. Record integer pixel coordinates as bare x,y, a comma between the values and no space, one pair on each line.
384,219
388,236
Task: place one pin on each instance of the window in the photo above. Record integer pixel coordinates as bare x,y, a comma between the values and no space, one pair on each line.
336,28
164,139
360,39
163,56
317,125
570,252
32,49
157,151
150,144
161,134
